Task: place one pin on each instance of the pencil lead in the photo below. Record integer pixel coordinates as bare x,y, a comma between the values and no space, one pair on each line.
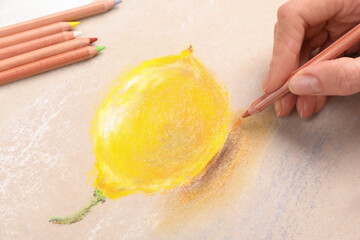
92,40
117,2
77,33
100,48
246,114
74,24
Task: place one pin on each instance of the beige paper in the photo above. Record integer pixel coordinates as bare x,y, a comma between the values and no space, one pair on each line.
286,179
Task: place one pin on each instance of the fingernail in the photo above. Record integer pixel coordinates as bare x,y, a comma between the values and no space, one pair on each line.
277,106
300,107
266,81
302,113
305,85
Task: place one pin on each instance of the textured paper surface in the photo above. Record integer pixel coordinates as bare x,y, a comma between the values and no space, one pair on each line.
303,183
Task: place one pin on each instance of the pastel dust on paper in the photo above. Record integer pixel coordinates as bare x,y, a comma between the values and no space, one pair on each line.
215,193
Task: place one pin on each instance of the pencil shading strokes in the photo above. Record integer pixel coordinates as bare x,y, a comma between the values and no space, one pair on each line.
236,168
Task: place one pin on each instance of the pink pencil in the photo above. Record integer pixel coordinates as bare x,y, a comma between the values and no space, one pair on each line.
48,64
69,15
37,44
44,53
334,50
36,33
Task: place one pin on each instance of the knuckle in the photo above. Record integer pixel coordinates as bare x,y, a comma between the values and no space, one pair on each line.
347,77
285,11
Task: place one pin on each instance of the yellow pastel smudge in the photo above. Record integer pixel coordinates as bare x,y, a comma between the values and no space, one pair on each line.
159,127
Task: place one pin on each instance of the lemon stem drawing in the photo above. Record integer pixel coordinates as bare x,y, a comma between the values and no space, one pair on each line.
78,216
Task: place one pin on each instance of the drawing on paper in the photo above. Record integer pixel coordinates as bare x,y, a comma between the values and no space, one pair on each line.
161,126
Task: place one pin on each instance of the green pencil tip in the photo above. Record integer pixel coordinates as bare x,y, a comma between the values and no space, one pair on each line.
100,48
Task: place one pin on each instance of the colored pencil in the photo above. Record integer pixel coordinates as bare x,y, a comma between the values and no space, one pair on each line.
36,33
35,44
44,53
48,64
69,15
334,50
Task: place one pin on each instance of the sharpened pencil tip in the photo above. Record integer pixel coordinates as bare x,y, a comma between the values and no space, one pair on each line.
117,2
100,48
246,114
77,33
74,24
92,40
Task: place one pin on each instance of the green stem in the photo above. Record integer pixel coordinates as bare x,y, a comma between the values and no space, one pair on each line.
78,216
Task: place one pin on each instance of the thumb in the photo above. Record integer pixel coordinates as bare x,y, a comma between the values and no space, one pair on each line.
334,77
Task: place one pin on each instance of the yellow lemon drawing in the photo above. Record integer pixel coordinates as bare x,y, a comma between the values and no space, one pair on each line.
159,127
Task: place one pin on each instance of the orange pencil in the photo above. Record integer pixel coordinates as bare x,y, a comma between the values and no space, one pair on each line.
69,15
334,50
36,33
44,53
48,64
29,46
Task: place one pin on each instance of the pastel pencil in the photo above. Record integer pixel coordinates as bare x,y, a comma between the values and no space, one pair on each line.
338,47
44,53
48,64
35,44
36,33
69,15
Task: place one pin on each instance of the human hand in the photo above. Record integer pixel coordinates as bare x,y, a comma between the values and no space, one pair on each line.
302,27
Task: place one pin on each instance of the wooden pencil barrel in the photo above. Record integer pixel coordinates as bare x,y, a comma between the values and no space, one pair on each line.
69,15
47,64
29,46
34,34
43,53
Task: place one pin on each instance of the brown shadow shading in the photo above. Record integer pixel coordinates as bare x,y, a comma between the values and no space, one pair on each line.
234,168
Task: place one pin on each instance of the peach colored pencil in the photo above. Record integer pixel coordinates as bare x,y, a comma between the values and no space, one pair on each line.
69,15
334,50
44,53
35,44
36,33
48,64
